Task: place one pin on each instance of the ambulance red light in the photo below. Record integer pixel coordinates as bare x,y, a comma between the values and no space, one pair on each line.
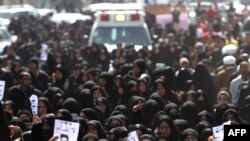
104,17
135,17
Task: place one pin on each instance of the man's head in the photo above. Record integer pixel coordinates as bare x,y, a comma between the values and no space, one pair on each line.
247,38
199,46
34,64
244,68
184,63
229,61
221,42
10,50
25,79
207,64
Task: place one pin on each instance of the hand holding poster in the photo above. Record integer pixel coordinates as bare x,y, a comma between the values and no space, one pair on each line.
218,131
66,131
2,86
44,52
34,104
132,136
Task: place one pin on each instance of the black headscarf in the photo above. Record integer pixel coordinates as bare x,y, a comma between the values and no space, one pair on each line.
218,115
169,107
170,78
109,122
244,92
203,104
97,87
235,114
66,115
71,105
135,116
91,137
187,132
100,130
51,92
55,101
39,133
89,84
181,125
85,99
146,93
105,101
90,113
140,127
149,110
189,84
4,130
245,109
130,91
201,126
124,119
123,109
118,132
174,132
156,119
12,105
182,77
156,96
169,94
189,111
83,127
26,112
45,100
148,137
18,122
190,95
141,65
204,81
205,134
26,136
204,115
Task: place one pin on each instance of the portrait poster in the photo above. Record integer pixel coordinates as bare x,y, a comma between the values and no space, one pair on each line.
66,130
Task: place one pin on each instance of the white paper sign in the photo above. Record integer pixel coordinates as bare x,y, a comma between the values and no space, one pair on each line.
34,104
65,130
44,52
2,86
132,136
218,131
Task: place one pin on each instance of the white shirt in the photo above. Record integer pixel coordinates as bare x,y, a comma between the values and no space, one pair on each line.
234,88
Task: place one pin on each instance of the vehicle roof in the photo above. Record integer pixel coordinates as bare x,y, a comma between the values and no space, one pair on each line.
113,21
69,17
24,6
4,22
44,11
120,12
17,8
202,3
113,6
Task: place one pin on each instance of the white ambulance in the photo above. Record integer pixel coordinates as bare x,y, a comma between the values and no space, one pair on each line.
120,24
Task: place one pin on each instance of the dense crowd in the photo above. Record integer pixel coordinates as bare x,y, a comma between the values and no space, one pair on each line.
192,80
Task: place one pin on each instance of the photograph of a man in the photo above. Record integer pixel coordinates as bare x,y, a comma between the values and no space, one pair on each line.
64,137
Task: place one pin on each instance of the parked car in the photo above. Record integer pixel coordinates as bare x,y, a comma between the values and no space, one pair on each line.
5,38
16,11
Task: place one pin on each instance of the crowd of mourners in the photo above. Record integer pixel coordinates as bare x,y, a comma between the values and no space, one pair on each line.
192,80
